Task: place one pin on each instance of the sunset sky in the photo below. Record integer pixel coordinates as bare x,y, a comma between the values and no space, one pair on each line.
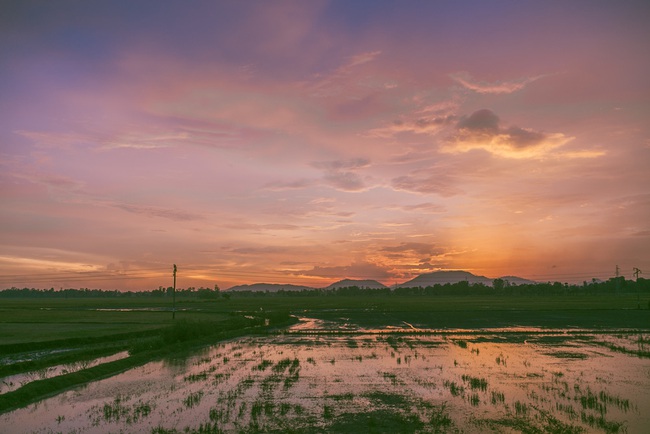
304,142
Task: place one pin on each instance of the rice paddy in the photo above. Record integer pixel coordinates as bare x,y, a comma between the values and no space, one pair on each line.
369,381
347,364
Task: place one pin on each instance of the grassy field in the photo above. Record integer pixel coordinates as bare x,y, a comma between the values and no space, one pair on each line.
31,321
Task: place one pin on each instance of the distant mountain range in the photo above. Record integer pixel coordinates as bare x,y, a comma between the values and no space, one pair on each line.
423,280
442,277
365,284
270,287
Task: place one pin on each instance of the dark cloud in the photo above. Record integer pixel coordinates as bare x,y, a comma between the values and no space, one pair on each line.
354,163
482,130
340,173
482,120
521,138
346,181
355,270
298,184
419,182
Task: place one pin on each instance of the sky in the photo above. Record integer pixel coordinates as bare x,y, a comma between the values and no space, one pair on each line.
303,142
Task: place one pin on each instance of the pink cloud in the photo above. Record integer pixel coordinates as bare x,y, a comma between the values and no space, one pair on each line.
499,87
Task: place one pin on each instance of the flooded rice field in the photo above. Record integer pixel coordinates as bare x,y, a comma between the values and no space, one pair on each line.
14,382
509,380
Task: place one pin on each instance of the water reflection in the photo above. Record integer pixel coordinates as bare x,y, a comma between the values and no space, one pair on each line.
13,382
476,381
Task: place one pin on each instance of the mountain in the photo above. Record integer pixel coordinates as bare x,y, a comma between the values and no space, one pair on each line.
270,287
364,284
423,280
442,277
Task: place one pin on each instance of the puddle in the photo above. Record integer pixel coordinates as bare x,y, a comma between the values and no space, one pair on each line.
473,382
13,382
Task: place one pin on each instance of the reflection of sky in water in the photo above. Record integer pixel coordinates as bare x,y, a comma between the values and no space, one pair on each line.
13,382
564,376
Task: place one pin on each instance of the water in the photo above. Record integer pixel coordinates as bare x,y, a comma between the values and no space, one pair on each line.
479,381
13,382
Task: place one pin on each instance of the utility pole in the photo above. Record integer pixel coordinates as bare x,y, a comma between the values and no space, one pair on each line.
618,282
636,273
174,295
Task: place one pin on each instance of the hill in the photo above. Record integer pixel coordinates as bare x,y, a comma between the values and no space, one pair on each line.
364,284
270,287
442,277
423,280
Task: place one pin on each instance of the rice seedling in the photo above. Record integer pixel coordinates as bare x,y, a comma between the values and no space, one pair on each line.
454,388
461,343
475,383
521,409
328,413
285,407
440,418
192,378
193,399
497,398
262,365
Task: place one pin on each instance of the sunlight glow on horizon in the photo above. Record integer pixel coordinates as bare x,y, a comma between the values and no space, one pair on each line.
305,143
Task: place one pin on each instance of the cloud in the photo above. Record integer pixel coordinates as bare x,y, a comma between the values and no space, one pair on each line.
345,181
297,184
429,125
360,270
425,182
56,181
56,184
339,173
333,84
481,120
247,226
466,80
166,213
427,207
424,118
354,163
266,250
314,209
482,130
417,248
51,139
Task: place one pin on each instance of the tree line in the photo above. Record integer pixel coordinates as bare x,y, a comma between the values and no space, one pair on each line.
463,288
